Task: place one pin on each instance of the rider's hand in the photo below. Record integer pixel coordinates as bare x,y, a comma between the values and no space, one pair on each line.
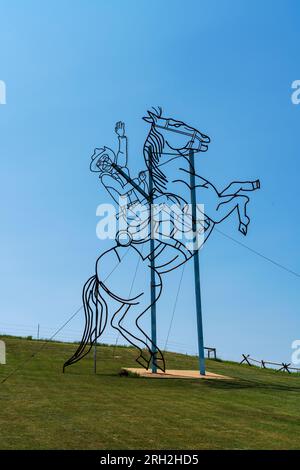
120,128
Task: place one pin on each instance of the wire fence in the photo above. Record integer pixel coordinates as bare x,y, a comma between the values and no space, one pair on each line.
71,335
283,366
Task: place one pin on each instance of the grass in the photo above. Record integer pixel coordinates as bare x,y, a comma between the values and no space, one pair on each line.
41,408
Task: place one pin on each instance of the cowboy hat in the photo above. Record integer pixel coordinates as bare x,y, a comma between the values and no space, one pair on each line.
102,159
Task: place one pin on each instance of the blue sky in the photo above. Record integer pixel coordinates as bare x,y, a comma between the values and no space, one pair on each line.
74,68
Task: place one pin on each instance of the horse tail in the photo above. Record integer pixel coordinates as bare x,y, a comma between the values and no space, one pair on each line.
95,319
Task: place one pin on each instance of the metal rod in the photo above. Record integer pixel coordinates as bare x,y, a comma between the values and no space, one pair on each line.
149,198
95,355
130,180
197,266
152,264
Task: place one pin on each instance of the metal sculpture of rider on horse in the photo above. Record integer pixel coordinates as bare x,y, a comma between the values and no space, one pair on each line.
166,155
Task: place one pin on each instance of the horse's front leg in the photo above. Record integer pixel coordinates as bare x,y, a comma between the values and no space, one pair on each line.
236,187
228,205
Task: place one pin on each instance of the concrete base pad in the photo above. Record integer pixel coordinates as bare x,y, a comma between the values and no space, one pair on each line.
176,374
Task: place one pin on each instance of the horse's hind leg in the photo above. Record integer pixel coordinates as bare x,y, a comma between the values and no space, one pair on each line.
132,334
129,325
157,355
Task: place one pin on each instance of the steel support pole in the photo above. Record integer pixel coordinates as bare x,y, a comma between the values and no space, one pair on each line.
149,199
95,354
152,264
197,266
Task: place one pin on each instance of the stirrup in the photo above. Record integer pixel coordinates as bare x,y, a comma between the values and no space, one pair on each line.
123,238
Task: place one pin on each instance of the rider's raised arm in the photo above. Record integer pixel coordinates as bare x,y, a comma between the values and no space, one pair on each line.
122,156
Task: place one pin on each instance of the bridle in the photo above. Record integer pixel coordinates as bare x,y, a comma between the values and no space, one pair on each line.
193,135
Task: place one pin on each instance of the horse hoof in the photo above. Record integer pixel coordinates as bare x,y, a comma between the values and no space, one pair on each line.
256,184
143,362
243,228
162,367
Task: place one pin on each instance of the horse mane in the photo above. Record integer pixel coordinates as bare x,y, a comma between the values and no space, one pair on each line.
153,149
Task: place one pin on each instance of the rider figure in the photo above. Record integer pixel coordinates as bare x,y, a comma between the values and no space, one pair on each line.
112,180
136,221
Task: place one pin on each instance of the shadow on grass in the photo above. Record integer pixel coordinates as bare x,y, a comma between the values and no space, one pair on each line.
248,384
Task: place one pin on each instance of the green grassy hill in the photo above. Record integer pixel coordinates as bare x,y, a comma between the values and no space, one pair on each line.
43,409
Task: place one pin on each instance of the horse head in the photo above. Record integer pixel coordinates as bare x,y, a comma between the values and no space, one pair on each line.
177,135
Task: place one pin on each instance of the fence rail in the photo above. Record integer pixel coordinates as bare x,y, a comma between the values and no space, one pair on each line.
210,351
283,366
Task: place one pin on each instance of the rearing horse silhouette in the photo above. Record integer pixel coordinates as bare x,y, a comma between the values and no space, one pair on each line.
166,154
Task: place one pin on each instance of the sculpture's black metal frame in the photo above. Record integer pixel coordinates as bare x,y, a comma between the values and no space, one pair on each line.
160,150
